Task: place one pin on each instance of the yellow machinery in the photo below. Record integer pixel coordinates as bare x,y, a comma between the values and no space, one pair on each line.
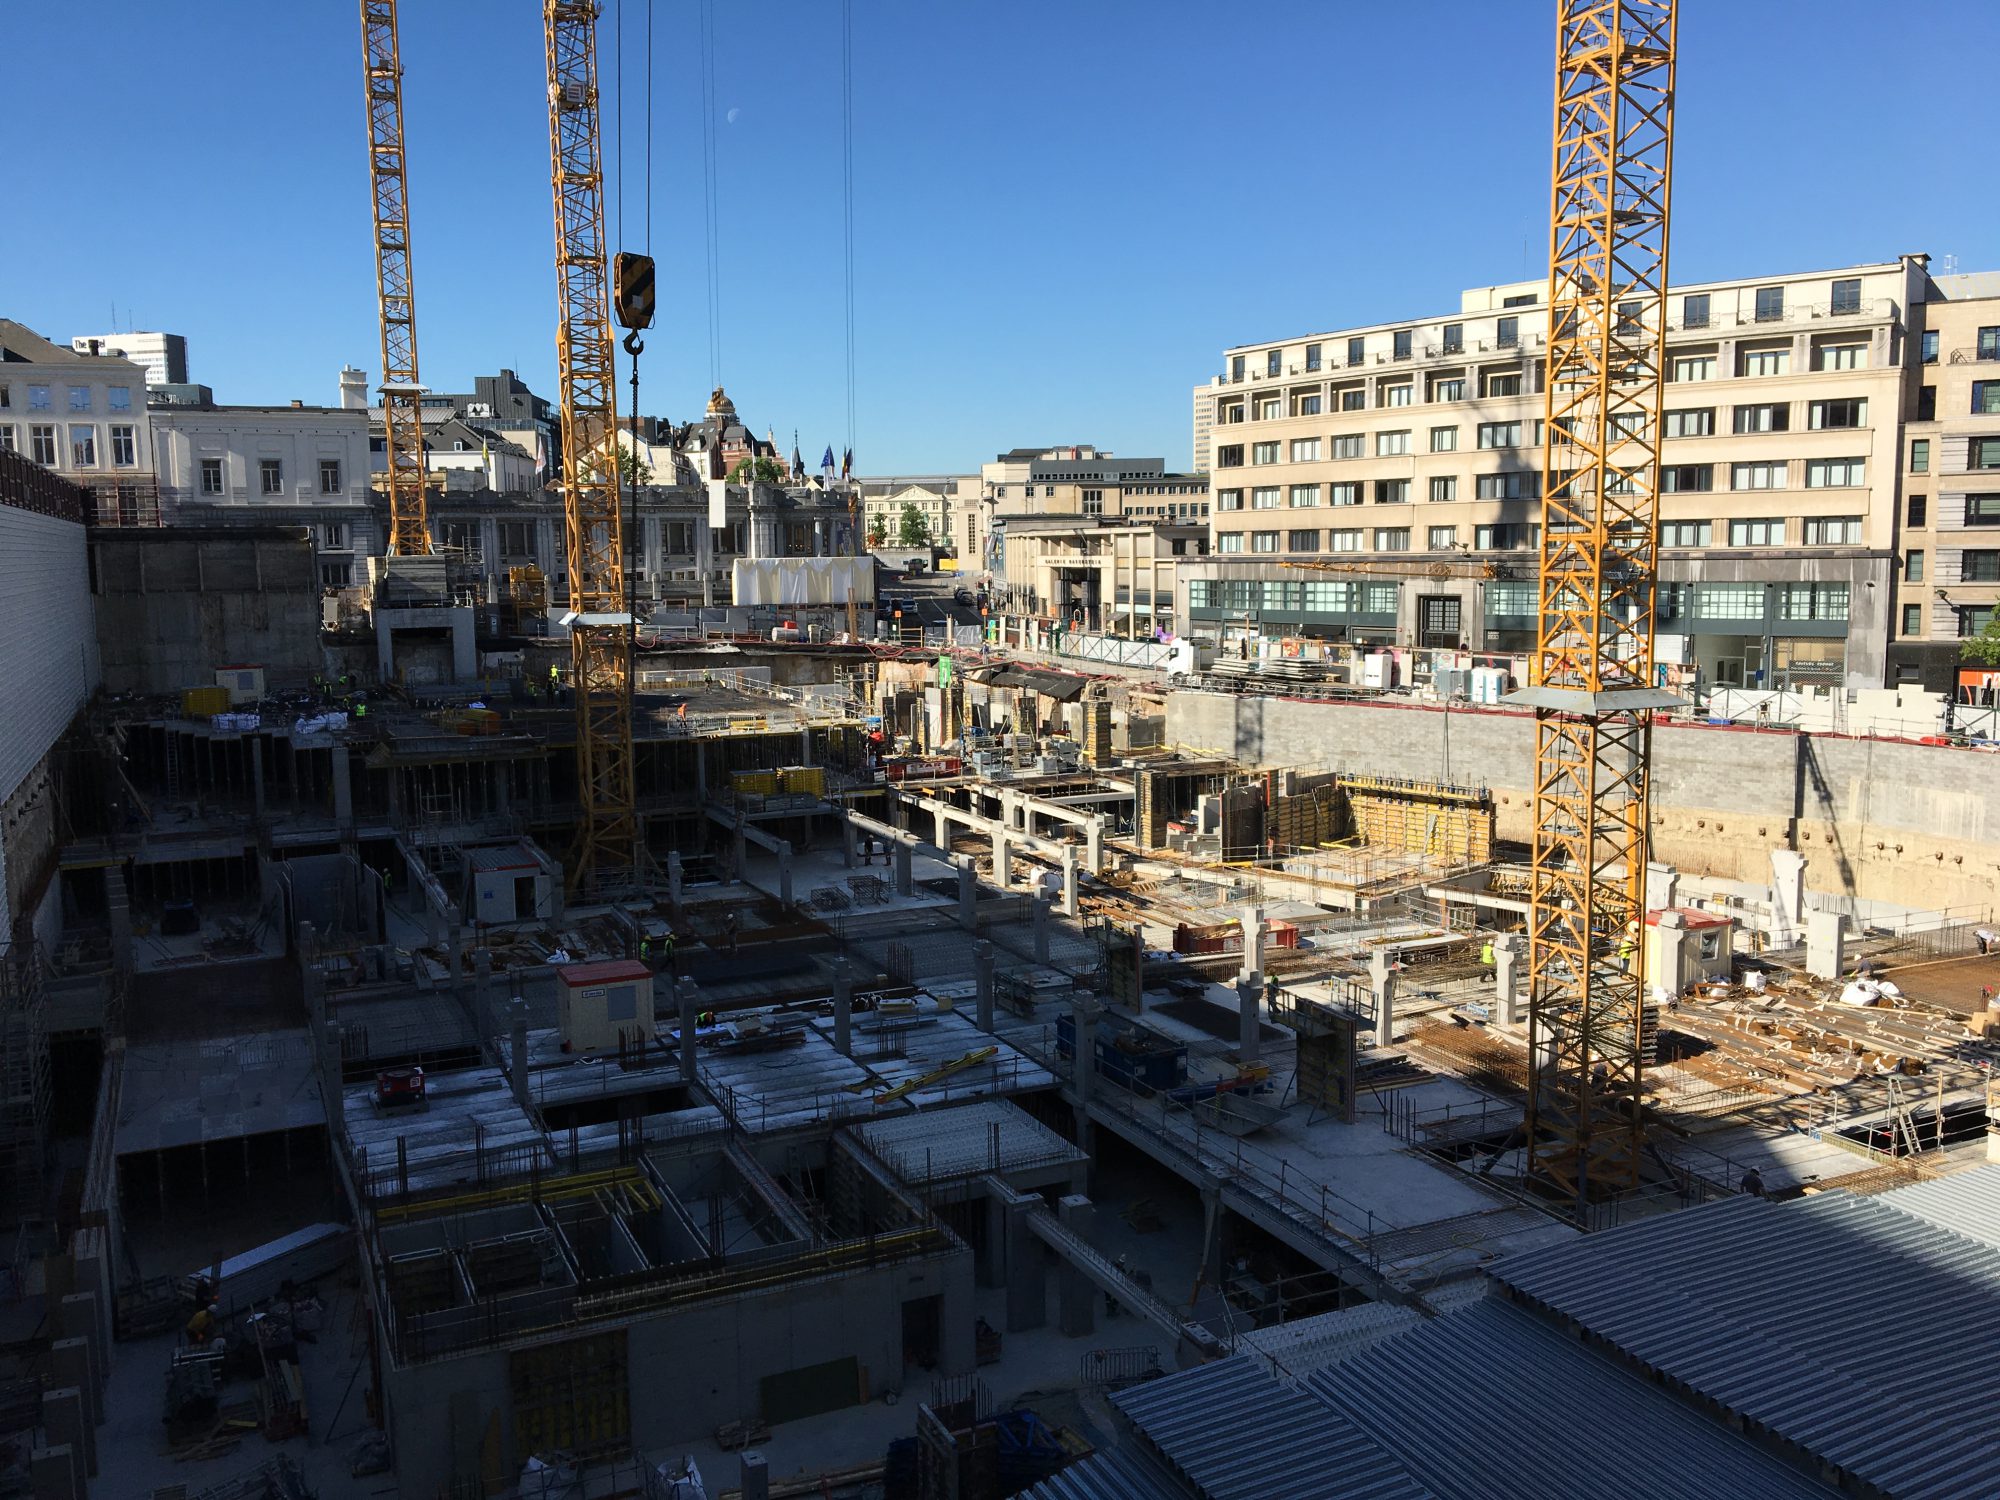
401,392
1438,568
1591,682
600,636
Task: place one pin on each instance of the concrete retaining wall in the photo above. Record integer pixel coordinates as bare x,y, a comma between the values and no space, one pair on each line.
1917,825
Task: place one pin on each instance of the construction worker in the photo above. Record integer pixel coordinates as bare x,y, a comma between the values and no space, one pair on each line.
201,1327
729,925
1486,957
667,953
645,952
555,680
1626,945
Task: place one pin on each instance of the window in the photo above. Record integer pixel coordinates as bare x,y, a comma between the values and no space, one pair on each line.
271,476
38,398
1768,531
211,476
1775,416
1986,398
1093,502
1264,497
1973,620
1263,453
1511,599
1686,533
1521,299
79,398
333,536
1982,566
1916,513
1392,444
1323,597
1441,538
1343,494
1983,453
124,446
1846,296
1344,539
1693,367
335,575
1920,455
1444,440
1729,601
1843,356
82,445
1229,456
6,395
118,398
1392,539
1229,541
1229,499
1913,566
1694,310
1263,541
1929,346
1507,333
1396,395
1833,531
329,476
1400,343
1306,406
7,438
1761,362
1450,389
1988,346
1444,487
1454,338
1813,601
1849,411
1628,318
1274,361
1926,403
1691,421
1515,484
1499,434
1356,350
1305,450
1982,510
1392,492
1236,369
1354,399
42,444
1758,476
1913,619
1305,496
1835,473
1687,479
1270,409
1509,536
1302,541
1770,304
1312,356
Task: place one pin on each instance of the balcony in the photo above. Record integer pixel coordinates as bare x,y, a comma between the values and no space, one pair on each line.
1982,354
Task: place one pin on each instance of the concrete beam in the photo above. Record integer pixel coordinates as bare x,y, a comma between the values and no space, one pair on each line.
1076,1296
1249,1023
982,975
1509,948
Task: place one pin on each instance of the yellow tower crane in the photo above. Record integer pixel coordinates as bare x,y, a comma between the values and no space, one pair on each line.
606,852
402,415
1591,683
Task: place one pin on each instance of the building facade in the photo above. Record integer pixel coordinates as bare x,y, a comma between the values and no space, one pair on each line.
1416,448
934,497
1949,547
83,416
1081,480
1097,573
163,355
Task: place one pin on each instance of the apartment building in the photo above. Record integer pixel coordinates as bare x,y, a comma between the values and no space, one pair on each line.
81,415
1412,444
1949,560
1097,573
936,498
1082,480
163,355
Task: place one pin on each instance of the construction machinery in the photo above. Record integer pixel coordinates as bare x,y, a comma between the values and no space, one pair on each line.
402,393
605,855
1438,568
1591,683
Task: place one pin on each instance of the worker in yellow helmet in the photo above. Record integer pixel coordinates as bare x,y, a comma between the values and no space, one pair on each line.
1627,944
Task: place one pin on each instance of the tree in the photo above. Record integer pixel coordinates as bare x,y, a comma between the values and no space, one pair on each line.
878,532
757,471
632,469
916,530
1983,650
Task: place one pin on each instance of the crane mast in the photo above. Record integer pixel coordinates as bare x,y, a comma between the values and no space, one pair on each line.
401,392
1591,683
601,678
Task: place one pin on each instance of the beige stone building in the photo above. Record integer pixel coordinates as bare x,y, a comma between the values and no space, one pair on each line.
1097,573
1950,512
1415,442
1081,480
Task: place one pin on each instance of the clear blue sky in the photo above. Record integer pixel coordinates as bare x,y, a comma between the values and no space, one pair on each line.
1064,210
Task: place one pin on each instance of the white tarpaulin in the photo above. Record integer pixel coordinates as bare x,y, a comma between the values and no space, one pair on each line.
780,581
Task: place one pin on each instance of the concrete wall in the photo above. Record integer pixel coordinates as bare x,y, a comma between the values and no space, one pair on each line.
172,606
1913,824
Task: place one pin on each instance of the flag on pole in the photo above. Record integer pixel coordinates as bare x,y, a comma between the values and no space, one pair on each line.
826,462
846,462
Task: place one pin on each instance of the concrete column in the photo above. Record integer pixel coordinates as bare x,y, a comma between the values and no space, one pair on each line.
943,826
72,1363
969,895
674,878
1083,1066
454,952
118,909
343,788
843,1007
80,1315
1069,880
1382,979
1027,1269
1076,1296
847,843
63,1421
1252,919
700,773
1093,845
737,855
255,746
1003,861
311,981
1509,949
517,1024
1788,892
1249,1023
1825,944
1669,975
785,875
482,995
1041,925
982,976
1662,884
753,1476
903,883
55,1473
991,1263
805,745
690,1010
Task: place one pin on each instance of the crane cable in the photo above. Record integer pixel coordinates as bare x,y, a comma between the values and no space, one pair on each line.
847,191
708,143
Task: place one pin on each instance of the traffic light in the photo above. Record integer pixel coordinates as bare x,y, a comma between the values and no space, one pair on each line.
633,276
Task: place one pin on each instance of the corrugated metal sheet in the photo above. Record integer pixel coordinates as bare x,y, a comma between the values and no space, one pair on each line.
1860,1332
1464,1402
1966,1203
1106,1476
1239,1434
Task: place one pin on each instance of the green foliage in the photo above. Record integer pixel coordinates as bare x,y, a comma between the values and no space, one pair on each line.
757,471
916,530
1983,650
632,469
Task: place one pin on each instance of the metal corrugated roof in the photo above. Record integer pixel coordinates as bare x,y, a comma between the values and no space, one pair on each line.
1241,1435
1966,1203
1463,1401
1800,1317
1105,1476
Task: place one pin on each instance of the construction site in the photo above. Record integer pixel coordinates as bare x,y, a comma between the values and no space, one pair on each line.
450,1058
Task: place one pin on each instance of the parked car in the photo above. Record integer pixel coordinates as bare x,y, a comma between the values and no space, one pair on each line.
963,596
915,565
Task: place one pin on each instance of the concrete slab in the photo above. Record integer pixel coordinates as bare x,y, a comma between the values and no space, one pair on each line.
191,1092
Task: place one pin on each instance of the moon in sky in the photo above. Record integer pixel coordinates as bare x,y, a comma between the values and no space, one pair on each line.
731,116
